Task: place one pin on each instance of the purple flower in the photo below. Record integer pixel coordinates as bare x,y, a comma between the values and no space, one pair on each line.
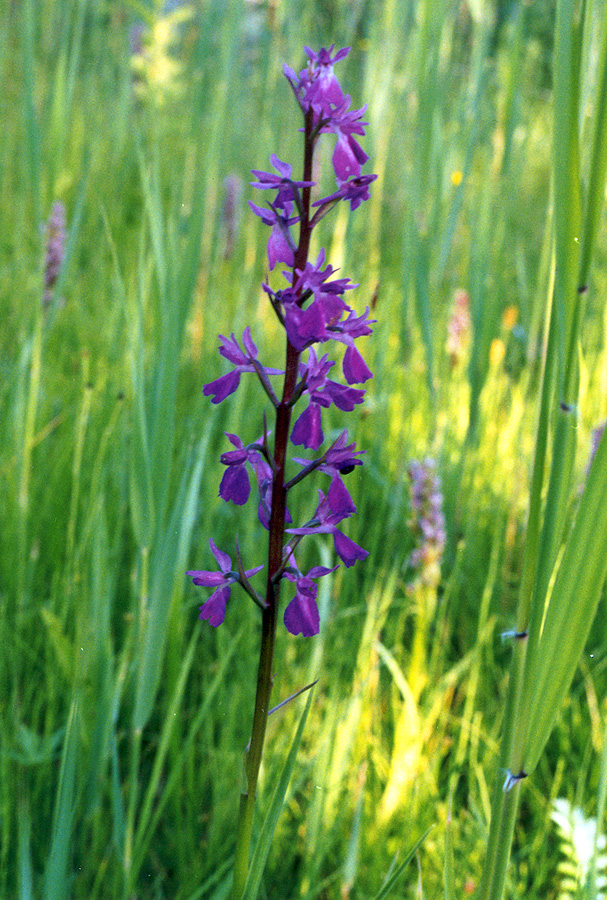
428,521
235,483
325,91
354,367
215,607
287,188
356,190
328,514
55,250
307,430
316,86
337,461
281,247
305,326
348,155
301,615
341,456
309,325
222,387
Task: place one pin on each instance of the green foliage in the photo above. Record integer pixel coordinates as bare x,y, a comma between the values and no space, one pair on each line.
123,721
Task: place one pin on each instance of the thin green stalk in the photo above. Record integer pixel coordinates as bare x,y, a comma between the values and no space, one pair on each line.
504,803
26,449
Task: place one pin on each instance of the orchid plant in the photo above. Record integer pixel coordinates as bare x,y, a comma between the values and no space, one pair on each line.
313,311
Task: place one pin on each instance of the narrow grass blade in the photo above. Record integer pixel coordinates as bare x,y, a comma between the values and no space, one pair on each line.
171,559
56,876
598,164
24,857
33,145
395,877
262,848
449,871
353,851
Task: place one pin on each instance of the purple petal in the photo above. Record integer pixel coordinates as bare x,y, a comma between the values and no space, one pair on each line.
319,571
347,550
223,560
354,367
215,608
340,501
301,616
307,430
235,440
267,216
345,163
279,249
305,326
206,579
344,398
248,343
231,351
235,485
222,387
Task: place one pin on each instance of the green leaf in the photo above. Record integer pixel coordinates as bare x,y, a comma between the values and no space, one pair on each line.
571,608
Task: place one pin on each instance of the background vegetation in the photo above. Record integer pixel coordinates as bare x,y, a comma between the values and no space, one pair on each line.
123,719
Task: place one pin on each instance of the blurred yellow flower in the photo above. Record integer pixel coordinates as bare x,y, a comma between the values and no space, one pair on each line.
158,72
456,177
510,317
497,353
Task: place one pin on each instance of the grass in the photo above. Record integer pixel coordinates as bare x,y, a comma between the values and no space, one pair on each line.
124,719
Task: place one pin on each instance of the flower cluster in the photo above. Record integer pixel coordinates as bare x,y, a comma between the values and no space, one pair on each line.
56,236
313,311
458,327
427,521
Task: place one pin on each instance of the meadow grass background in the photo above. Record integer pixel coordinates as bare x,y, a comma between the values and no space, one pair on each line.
123,718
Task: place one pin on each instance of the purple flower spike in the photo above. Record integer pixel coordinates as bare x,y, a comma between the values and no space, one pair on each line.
215,608
55,250
311,310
